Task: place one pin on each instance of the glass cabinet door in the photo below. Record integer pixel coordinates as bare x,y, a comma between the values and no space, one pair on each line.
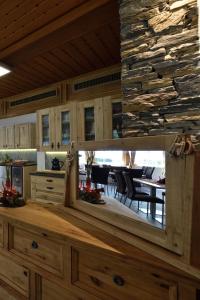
116,120
90,120
45,127
45,131
89,124
63,126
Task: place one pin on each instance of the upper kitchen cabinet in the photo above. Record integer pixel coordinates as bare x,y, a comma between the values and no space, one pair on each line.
55,129
10,137
90,120
65,124
25,136
112,108
2,137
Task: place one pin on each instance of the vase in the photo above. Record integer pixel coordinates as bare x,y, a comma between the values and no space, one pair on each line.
88,183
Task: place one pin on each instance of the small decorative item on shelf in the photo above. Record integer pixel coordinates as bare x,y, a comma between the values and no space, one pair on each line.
9,197
91,195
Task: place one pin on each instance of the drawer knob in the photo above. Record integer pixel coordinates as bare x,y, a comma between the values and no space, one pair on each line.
49,180
34,245
118,280
50,188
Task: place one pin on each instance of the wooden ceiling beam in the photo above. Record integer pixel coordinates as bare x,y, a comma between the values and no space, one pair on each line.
59,23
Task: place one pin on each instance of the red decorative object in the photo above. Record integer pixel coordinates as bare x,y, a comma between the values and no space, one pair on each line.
88,183
10,197
91,195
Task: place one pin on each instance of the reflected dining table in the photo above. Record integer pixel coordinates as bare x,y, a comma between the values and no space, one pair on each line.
154,185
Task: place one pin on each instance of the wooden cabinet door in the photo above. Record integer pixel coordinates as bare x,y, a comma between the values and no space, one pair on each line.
2,137
14,275
90,120
46,125
25,136
10,137
50,291
64,127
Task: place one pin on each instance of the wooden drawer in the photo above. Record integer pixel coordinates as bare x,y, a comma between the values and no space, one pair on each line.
50,291
50,188
113,278
8,293
48,181
1,233
49,197
14,275
38,248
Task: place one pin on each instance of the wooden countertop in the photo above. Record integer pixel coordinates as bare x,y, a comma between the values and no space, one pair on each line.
68,227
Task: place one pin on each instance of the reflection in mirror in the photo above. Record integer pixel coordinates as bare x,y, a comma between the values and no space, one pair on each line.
130,183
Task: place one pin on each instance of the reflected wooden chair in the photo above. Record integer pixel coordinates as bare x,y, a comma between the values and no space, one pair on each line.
134,195
121,184
100,176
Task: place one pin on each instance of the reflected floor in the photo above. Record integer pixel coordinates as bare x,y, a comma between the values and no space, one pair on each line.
129,209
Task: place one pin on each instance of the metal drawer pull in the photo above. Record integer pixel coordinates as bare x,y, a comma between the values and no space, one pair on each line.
118,280
50,188
49,180
34,245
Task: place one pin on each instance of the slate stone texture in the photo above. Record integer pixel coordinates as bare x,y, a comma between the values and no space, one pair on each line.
160,67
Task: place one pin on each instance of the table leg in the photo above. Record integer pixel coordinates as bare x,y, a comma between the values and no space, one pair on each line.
153,205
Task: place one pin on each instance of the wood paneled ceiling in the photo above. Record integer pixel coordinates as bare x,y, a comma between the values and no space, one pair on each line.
44,41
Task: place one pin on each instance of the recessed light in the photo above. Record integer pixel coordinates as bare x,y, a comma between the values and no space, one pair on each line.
4,70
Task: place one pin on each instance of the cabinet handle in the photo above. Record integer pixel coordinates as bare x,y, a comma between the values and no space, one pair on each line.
49,180
58,145
118,280
34,245
50,188
52,145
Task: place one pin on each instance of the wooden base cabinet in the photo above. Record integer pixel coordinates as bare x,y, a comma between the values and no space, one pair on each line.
117,279
50,256
47,189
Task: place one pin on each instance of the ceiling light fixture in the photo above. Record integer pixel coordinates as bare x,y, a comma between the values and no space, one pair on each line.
4,70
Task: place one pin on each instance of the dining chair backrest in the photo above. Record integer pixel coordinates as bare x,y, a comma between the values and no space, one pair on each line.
121,184
131,191
137,173
99,175
149,172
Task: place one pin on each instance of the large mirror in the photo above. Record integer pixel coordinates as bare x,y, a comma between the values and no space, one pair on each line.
131,183
135,185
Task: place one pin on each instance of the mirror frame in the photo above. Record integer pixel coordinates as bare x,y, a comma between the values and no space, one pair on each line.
176,236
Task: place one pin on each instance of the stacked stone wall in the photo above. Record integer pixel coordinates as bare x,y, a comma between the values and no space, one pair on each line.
160,73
